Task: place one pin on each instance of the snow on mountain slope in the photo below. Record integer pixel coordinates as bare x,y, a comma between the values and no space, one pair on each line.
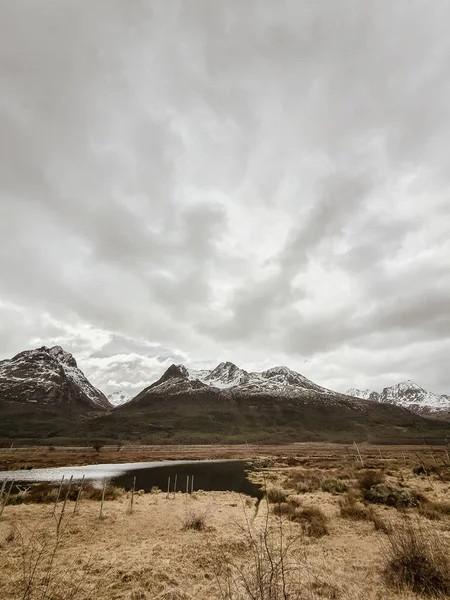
118,398
364,394
227,376
408,395
48,376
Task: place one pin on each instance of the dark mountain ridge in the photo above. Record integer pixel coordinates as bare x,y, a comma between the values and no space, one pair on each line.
43,394
43,391
228,404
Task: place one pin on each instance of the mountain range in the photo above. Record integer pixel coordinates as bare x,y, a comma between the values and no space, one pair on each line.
408,395
43,394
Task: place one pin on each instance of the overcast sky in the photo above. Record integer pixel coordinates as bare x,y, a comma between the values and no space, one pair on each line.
256,181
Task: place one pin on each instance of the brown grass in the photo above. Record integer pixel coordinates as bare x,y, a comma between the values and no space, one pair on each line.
194,521
434,511
370,477
146,555
47,493
275,495
351,508
313,521
419,560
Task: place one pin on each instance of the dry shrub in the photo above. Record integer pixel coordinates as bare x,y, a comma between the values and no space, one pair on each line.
90,492
333,485
305,480
47,492
46,576
10,536
275,495
274,568
418,559
37,493
434,511
283,509
327,590
313,521
370,477
194,521
382,493
379,523
351,508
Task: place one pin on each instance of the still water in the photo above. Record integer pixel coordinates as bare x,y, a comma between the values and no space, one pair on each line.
209,475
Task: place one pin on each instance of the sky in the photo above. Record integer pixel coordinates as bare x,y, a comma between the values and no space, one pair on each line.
261,182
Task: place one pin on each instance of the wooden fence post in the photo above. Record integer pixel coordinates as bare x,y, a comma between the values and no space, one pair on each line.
359,454
175,485
59,492
132,495
187,484
103,499
65,502
5,501
192,484
78,495
168,487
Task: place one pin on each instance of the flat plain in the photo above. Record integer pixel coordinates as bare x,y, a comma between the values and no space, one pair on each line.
333,524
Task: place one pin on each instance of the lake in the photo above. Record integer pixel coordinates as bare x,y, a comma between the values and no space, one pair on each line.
209,475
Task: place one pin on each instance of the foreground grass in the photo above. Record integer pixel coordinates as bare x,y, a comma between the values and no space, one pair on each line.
332,529
206,546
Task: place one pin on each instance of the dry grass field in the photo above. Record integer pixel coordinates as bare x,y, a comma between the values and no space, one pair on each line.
58,456
331,527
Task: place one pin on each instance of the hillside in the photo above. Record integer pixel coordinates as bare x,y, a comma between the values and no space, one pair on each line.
45,396
228,404
43,391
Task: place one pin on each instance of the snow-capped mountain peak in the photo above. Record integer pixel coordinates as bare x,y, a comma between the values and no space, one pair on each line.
408,395
364,394
118,398
48,376
227,376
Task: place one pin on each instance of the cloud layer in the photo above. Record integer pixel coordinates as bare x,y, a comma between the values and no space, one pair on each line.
251,181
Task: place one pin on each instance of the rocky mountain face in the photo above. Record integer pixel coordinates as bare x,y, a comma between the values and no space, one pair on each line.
229,404
43,394
278,381
119,398
48,378
408,395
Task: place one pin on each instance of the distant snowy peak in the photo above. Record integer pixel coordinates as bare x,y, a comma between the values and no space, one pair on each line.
356,393
408,392
408,395
364,394
119,398
227,376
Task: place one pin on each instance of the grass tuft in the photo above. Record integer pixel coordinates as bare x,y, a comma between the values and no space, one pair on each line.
419,560
313,521
275,495
370,477
333,485
351,508
194,522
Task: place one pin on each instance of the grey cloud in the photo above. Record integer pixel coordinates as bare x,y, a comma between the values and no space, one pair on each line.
248,180
118,344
